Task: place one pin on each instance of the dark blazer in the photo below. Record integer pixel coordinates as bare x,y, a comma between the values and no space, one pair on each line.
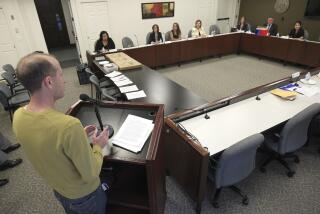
99,45
273,31
294,34
244,28
152,37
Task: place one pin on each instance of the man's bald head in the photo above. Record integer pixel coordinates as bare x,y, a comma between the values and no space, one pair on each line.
33,68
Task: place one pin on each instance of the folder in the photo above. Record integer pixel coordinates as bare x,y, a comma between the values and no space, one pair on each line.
284,94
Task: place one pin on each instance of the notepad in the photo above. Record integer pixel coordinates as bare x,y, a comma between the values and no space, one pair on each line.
133,133
136,95
127,89
287,95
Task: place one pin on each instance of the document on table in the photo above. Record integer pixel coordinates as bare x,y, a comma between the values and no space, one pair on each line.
127,89
119,78
133,133
123,82
135,95
104,62
309,92
113,74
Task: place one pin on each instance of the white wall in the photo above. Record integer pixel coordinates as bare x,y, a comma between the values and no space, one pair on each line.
25,27
125,19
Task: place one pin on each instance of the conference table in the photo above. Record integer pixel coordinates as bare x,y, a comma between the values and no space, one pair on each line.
169,53
186,158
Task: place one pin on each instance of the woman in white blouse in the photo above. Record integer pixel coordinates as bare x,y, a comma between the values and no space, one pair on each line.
197,30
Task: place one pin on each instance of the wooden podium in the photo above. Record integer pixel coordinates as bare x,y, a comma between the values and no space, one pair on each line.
138,185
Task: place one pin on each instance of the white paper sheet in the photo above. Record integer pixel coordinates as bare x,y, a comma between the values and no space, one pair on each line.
104,62
133,133
135,95
123,82
113,74
127,89
119,78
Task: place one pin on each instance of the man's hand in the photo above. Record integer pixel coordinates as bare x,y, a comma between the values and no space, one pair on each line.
102,139
89,129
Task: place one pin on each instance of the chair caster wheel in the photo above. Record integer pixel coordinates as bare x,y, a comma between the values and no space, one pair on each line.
245,201
215,204
262,169
290,174
296,160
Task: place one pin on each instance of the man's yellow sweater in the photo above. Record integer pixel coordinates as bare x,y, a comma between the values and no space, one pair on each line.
58,148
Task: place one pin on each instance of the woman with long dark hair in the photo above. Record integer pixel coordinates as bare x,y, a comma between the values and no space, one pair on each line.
175,33
104,42
156,36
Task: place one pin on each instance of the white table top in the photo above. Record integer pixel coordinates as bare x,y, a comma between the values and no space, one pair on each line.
230,124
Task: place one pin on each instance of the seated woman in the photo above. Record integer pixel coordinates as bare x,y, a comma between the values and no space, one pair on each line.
104,43
175,33
298,31
243,25
156,36
197,30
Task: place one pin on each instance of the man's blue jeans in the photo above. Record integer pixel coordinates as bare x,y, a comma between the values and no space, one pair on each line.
93,203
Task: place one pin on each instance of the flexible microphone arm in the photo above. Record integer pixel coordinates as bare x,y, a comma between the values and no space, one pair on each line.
85,97
135,35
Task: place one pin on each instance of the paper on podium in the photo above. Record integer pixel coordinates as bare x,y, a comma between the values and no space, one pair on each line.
133,133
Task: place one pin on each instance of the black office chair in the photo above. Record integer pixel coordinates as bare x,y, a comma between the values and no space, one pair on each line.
9,68
234,165
11,102
306,35
190,34
314,129
291,137
127,42
214,30
167,36
148,37
14,85
110,93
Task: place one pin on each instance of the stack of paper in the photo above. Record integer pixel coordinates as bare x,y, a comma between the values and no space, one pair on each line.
284,94
133,133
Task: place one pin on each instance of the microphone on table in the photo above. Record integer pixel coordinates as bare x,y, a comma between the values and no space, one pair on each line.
86,98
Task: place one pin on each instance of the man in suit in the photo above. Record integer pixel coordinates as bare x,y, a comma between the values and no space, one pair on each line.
272,27
5,163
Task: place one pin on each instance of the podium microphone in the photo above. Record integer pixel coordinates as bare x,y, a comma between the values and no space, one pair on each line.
85,97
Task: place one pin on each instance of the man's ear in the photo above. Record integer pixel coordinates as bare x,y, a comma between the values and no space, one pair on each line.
47,81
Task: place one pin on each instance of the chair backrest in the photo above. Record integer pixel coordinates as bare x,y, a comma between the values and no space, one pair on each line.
147,37
167,36
249,27
295,132
95,81
5,93
190,34
238,161
88,71
7,76
306,34
215,29
9,68
127,42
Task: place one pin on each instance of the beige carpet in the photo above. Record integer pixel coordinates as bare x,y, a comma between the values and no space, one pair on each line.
28,193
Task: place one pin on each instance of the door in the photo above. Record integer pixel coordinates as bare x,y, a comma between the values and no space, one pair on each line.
226,14
95,20
8,51
53,23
